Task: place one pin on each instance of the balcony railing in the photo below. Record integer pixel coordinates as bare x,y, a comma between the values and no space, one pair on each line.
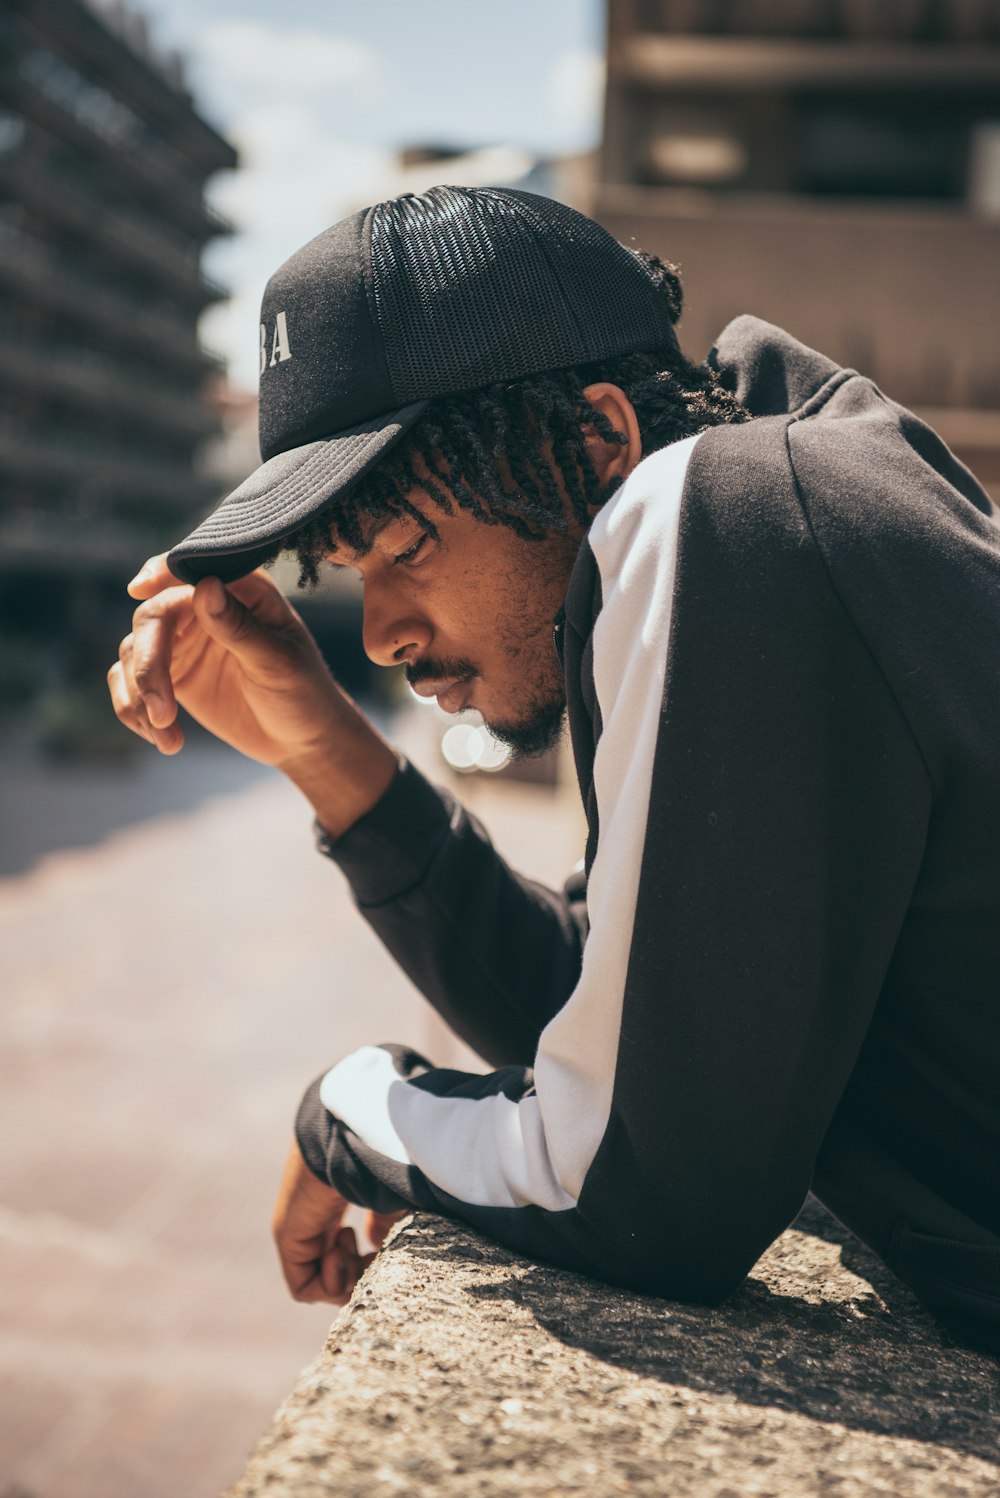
89,381
132,237
75,544
47,456
34,270
111,56
147,172
753,64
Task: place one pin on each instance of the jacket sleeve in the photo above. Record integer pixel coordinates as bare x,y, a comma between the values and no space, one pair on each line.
762,813
496,954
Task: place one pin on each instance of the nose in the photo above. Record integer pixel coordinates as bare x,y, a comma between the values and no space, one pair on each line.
394,631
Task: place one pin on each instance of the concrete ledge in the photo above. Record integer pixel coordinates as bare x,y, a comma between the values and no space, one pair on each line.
459,1369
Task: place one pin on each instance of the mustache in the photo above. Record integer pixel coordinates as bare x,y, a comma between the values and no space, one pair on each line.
459,669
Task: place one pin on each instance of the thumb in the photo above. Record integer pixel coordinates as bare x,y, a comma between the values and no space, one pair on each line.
379,1224
230,622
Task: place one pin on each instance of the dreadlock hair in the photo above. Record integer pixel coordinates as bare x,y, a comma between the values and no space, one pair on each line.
500,452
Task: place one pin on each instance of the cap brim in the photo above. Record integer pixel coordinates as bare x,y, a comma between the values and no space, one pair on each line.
283,494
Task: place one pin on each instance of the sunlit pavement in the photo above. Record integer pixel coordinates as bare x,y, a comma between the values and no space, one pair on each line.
167,993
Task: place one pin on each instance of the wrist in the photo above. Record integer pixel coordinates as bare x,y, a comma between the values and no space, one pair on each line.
344,780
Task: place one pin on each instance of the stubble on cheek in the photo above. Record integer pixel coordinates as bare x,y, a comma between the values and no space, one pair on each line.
527,706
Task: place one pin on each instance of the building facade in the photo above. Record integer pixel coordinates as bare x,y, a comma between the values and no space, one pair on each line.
832,166
103,165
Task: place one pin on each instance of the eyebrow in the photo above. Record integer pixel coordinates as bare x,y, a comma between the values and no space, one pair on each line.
381,525
378,526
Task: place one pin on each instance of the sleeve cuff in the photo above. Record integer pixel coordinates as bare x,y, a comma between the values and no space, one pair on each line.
339,1159
313,1126
389,850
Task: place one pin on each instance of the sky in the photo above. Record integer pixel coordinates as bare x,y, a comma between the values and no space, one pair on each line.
318,97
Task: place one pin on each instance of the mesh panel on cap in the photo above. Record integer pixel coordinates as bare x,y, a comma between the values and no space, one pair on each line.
472,286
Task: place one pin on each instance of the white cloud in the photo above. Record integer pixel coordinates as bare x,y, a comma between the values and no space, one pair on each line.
574,97
259,64
297,174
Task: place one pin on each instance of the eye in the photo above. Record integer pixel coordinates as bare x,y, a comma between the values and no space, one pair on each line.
409,556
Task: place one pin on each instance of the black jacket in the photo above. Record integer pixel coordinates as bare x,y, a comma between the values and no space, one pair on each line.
781,644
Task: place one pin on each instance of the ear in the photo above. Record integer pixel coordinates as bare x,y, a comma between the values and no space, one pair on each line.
613,462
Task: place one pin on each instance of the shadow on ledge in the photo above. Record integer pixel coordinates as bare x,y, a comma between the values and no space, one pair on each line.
460,1368
874,1361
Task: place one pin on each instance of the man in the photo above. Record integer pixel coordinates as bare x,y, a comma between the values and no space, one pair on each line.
770,599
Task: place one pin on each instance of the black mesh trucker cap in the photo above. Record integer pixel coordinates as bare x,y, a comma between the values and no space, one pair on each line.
423,295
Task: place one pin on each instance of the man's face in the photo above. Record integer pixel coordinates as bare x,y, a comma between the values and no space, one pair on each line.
469,615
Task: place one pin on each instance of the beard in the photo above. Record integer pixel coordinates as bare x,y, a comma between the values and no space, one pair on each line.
534,734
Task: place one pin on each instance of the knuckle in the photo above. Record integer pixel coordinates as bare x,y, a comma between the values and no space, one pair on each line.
146,612
242,625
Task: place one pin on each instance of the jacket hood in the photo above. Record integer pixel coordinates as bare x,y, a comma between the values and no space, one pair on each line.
768,370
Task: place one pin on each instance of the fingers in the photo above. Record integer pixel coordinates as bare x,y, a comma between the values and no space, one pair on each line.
130,708
256,590
331,1275
341,1267
126,702
379,1224
301,1265
307,1225
142,686
153,576
140,683
319,1256
247,618
154,630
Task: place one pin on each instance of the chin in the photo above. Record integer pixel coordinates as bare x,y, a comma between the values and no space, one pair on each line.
529,737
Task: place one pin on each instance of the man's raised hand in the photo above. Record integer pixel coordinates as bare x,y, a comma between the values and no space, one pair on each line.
240,661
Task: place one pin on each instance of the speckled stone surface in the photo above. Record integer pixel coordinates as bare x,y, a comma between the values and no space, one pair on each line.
459,1369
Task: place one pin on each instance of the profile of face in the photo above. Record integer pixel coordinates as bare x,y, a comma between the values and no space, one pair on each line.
469,612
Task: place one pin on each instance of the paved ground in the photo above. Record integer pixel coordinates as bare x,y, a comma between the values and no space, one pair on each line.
48,805
167,992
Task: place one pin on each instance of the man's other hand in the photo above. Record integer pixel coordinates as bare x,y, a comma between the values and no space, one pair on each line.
320,1258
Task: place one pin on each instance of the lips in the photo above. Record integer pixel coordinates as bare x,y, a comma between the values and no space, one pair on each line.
455,697
452,695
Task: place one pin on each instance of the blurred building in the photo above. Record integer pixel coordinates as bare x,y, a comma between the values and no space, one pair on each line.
103,163
832,166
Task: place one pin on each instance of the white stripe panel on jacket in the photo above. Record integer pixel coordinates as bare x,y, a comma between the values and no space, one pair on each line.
495,1151
356,1091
